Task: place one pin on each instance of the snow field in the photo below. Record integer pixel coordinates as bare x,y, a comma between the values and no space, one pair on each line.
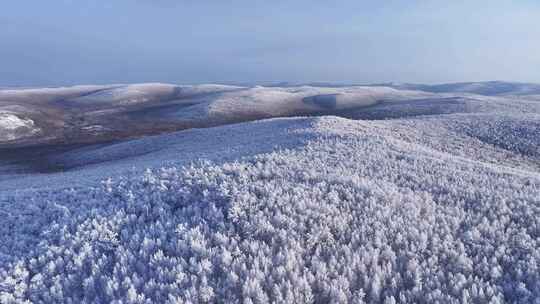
13,127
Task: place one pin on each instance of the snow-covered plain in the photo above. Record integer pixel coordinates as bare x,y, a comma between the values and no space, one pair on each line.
422,201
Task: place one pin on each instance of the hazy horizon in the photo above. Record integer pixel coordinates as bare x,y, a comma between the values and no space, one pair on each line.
57,42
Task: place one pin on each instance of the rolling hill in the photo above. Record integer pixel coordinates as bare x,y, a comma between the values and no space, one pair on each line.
371,195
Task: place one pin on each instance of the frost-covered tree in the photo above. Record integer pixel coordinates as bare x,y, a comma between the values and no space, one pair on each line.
359,214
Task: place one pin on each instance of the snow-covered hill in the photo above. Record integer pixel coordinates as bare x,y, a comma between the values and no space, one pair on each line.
89,114
488,88
423,200
92,114
13,127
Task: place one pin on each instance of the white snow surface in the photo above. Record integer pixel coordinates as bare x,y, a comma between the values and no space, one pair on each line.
148,92
265,102
422,209
13,127
48,94
114,94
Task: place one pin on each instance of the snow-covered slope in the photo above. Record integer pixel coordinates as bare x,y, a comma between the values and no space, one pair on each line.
488,88
43,95
89,114
13,127
262,102
92,114
146,93
440,206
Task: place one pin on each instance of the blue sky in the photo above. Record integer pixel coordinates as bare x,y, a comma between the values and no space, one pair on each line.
57,42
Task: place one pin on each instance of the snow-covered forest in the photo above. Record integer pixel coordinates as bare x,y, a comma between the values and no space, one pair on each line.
409,201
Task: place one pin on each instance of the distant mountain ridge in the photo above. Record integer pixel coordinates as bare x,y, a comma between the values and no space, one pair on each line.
488,88
101,113
87,114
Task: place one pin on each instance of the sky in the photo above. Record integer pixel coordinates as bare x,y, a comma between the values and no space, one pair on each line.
64,42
